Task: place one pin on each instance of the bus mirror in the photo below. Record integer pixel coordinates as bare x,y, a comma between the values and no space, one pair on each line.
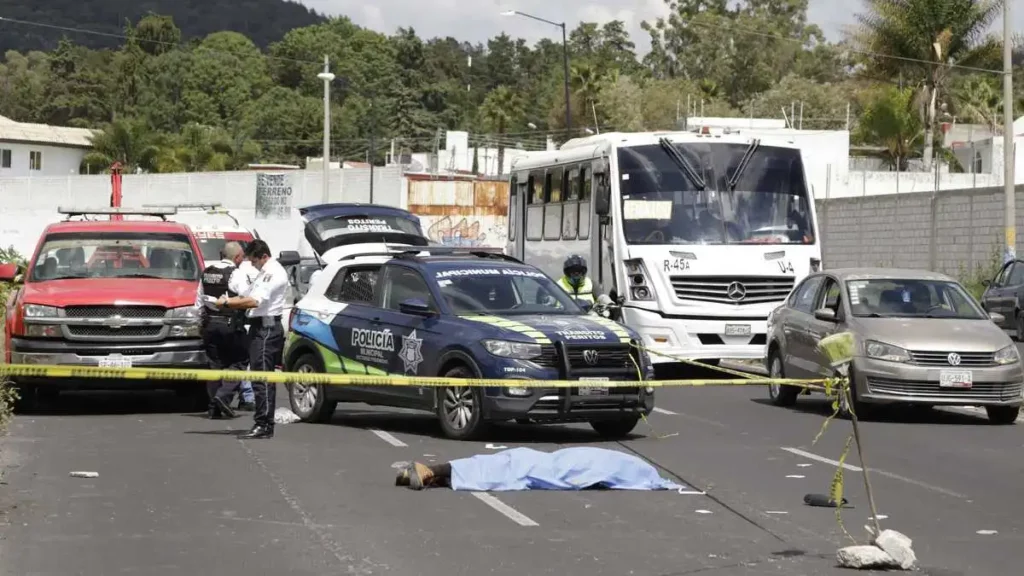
602,195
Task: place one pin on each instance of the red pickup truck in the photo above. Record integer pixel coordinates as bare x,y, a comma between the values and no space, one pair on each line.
117,293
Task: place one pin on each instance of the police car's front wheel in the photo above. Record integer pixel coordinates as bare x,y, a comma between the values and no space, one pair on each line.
458,407
615,429
309,401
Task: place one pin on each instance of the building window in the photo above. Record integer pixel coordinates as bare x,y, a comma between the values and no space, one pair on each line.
5,158
35,160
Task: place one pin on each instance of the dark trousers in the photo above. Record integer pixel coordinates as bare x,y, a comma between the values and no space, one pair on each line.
226,350
266,346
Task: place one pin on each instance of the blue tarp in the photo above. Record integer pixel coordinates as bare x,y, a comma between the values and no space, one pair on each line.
575,468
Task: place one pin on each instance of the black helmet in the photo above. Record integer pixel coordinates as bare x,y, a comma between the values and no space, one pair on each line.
574,262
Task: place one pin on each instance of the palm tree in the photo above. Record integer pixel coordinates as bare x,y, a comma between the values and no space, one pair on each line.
128,141
920,40
891,120
500,110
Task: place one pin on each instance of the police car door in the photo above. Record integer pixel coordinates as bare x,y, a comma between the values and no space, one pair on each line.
416,331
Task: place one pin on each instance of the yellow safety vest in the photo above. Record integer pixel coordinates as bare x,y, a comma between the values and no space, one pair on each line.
584,292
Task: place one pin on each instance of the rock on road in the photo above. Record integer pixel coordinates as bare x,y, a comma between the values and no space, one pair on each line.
178,494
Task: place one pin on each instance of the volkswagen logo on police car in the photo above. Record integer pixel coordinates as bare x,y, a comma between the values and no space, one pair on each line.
953,359
736,291
590,357
115,322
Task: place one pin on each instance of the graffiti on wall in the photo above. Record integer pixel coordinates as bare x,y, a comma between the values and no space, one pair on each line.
486,231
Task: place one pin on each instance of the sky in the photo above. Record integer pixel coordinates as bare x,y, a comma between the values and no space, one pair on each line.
478,20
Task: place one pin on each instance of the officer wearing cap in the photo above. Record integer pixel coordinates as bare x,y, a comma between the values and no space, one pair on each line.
264,305
224,336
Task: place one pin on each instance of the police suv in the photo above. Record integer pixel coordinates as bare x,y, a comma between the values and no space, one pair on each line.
462,313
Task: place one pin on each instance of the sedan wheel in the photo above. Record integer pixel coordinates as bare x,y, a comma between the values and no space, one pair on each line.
780,394
309,401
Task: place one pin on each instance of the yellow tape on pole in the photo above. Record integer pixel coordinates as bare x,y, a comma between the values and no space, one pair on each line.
58,372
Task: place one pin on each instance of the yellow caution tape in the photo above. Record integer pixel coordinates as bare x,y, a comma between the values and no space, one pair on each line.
177,374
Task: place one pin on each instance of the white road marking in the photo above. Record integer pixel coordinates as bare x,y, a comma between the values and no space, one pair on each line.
663,411
795,476
504,509
776,512
853,468
703,511
800,452
987,532
387,437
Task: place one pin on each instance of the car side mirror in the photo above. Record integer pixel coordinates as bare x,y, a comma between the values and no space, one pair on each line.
289,258
986,283
997,317
9,272
825,314
415,307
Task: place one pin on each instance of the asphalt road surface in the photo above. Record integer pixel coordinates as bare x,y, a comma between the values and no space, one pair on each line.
179,494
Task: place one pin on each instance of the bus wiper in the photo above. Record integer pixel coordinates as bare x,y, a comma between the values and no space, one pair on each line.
683,163
735,178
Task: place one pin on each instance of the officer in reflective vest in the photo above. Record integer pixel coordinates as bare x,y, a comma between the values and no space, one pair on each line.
224,334
575,281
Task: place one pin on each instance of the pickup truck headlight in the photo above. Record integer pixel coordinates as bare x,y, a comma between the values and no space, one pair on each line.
514,350
185,313
185,331
887,352
39,311
1008,355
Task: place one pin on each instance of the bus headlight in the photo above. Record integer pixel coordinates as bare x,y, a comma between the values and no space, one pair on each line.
641,288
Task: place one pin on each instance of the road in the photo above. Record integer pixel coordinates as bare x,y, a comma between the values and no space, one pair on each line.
178,494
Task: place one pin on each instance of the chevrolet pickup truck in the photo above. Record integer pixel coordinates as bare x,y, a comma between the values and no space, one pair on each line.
117,293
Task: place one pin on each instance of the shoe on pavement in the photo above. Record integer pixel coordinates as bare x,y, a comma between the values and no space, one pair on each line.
258,433
224,408
246,407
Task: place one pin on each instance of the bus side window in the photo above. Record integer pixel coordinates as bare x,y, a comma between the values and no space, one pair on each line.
553,207
535,208
586,190
570,211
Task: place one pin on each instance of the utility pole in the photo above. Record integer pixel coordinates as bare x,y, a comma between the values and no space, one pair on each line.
327,77
1008,156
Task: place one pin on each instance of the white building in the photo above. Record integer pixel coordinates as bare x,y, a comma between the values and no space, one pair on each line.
41,150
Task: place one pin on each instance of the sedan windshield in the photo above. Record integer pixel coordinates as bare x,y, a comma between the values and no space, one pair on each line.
506,291
766,202
115,255
888,298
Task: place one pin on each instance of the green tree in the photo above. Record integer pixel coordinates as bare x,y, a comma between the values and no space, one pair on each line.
128,141
918,41
24,83
501,110
226,72
823,105
891,120
157,34
621,101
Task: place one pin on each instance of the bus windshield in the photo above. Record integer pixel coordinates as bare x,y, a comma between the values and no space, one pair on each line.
661,205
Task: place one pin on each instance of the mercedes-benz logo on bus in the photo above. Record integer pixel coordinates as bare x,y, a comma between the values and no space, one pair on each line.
736,291
953,359
590,357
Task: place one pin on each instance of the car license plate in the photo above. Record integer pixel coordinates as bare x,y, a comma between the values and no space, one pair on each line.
116,362
955,379
737,329
594,390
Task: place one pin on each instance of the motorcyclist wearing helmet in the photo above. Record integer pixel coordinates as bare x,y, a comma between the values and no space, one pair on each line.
575,281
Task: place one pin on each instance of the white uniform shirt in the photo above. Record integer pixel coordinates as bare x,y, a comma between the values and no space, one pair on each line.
239,282
270,290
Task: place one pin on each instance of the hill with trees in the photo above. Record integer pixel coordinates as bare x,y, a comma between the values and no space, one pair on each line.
221,100
263,21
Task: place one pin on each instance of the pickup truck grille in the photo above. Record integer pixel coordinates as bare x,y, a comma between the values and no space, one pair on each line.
118,333
108,311
732,289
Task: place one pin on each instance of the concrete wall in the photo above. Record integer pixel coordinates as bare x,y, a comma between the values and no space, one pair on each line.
29,204
57,161
954,231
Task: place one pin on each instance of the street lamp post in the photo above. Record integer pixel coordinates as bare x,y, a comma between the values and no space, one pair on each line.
565,62
1010,215
327,77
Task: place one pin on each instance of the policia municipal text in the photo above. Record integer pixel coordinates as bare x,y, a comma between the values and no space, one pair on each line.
264,305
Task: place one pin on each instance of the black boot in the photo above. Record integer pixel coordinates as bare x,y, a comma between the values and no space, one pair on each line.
223,407
258,432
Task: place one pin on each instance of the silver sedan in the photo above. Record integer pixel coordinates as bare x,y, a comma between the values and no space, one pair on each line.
920,339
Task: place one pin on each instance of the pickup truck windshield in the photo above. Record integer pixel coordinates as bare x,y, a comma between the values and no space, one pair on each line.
662,205
505,291
886,298
115,255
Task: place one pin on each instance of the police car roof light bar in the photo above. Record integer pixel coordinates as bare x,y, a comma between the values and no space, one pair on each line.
161,213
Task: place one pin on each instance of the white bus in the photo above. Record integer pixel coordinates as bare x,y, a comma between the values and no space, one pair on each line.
701,235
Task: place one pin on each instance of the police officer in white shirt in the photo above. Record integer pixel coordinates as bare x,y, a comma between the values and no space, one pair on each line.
224,335
264,305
